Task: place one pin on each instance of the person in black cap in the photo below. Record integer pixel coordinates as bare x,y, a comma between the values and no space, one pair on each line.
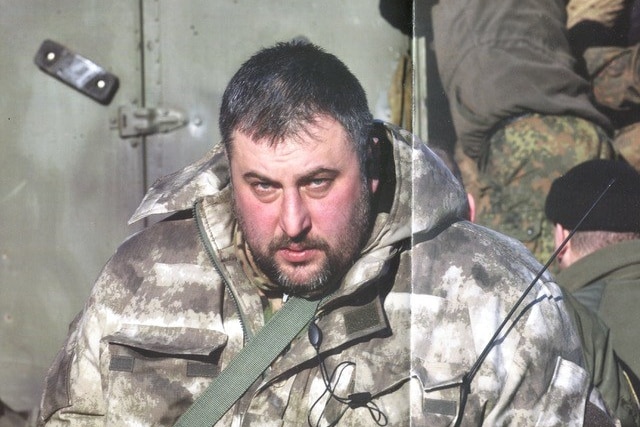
600,265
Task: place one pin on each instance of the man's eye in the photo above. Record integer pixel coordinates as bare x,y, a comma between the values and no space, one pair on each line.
265,191
320,182
262,187
318,187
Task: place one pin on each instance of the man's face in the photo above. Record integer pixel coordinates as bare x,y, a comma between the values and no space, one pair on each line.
302,205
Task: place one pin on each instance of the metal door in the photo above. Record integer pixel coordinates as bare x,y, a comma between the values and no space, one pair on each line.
72,172
67,181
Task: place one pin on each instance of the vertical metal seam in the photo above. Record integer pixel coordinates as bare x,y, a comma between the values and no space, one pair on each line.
143,102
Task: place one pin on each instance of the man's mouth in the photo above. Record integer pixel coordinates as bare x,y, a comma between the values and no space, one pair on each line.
297,254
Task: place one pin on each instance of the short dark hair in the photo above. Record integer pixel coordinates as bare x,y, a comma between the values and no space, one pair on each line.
281,89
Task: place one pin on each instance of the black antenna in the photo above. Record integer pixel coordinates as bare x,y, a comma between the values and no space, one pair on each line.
468,377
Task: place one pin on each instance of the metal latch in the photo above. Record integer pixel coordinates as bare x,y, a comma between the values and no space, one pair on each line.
138,121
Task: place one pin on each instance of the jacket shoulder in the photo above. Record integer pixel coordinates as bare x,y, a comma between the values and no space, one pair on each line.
172,241
478,256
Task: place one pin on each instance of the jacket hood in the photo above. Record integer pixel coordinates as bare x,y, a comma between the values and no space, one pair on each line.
180,190
426,198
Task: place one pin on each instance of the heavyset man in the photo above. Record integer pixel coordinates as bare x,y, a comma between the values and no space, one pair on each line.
308,200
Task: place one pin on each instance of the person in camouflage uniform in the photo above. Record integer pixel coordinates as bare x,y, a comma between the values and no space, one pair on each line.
408,307
521,110
604,36
615,76
616,382
542,71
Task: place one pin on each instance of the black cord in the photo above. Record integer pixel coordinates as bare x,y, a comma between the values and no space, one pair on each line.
353,400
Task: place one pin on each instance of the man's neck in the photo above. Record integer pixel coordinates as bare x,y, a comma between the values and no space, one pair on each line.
271,302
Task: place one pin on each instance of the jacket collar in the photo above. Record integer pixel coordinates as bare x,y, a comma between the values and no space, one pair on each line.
180,190
619,259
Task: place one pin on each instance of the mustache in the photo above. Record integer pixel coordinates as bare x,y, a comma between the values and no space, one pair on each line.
299,242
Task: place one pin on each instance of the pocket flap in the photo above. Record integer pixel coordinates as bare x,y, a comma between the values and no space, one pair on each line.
169,340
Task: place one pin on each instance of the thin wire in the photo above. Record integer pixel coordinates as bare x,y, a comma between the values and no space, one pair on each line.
364,399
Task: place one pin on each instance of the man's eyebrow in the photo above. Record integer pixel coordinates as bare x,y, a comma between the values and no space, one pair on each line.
318,171
255,175
306,177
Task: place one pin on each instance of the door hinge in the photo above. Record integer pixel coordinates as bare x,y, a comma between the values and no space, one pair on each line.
139,121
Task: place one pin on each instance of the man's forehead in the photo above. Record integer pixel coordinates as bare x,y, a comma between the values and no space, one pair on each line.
293,158
322,130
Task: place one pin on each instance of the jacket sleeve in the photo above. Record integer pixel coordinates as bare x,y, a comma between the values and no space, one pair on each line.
150,337
76,384
73,394
544,379
533,372
608,373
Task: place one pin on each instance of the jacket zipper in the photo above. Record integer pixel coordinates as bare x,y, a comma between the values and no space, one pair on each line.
216,265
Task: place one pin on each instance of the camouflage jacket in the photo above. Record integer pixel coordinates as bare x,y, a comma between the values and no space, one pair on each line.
496,63
413,314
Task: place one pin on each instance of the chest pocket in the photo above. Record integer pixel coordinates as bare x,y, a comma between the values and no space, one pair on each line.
442,350
160,367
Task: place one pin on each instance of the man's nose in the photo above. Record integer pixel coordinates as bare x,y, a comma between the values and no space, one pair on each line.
294,216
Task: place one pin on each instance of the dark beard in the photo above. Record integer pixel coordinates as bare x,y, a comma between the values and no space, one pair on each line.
337,262
320,283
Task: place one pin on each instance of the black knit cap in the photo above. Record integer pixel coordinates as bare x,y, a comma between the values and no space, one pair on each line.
572,195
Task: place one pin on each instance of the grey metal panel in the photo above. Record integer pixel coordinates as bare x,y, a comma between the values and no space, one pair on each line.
67,181
192,48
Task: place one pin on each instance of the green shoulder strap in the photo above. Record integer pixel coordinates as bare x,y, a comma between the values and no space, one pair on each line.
249,364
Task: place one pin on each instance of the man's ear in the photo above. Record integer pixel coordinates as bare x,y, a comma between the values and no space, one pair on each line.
373,164
472,207
373,185
559,235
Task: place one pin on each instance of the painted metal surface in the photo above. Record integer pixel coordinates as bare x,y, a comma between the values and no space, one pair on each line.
67,181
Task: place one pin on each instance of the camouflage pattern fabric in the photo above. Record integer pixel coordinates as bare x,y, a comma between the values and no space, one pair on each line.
496,64
604,12
410,318
615,76
525,156
607,374
627,143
